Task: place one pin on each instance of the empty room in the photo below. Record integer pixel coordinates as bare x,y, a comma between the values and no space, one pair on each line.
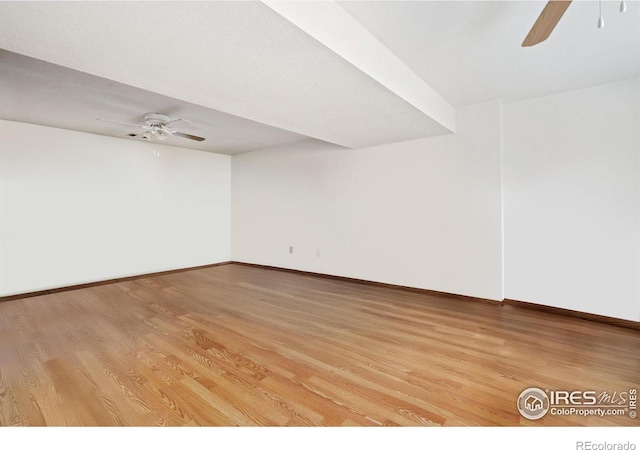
304,214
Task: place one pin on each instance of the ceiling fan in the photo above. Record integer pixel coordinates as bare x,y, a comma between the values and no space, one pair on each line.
157,128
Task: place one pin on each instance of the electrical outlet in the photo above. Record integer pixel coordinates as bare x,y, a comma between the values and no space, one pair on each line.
291,249
317,253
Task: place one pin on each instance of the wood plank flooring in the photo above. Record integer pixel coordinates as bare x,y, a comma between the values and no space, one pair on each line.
238,345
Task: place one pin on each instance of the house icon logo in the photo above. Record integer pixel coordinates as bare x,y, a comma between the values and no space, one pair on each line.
533,403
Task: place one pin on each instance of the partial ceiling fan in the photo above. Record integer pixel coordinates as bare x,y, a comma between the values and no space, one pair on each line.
157,128
549,18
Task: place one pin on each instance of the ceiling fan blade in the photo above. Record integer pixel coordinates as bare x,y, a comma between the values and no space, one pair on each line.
177,120
122,123
188,136
547,21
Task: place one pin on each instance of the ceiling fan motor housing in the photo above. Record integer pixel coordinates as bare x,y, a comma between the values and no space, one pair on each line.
156,119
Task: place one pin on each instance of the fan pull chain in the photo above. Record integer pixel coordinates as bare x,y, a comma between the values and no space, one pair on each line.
600,19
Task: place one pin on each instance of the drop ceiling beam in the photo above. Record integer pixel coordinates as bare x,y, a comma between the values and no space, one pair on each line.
331,25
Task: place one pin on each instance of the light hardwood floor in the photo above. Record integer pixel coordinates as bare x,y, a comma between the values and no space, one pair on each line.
238,345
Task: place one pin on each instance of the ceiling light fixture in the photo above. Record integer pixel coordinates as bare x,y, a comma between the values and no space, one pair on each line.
600,19
156,133
160,134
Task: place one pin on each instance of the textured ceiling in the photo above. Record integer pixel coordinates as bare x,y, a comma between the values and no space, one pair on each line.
241,58
42,93
469,51
250,74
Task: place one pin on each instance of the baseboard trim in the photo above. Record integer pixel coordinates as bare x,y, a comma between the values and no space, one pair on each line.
375,283
103,282
575,314
506,302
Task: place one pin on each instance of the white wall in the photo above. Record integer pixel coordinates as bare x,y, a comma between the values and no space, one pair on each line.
425,213
572,200
77,208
